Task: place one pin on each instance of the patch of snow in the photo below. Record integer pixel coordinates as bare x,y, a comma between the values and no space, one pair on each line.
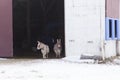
3,59
56,69
116,61
78,60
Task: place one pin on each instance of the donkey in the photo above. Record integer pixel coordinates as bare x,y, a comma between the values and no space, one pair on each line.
44,49
58,48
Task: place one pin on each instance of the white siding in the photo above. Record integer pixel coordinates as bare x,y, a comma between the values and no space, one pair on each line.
84,26
110,48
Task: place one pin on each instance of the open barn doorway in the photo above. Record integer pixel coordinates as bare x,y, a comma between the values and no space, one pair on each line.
34,20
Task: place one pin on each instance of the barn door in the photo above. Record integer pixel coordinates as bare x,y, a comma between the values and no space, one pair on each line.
6,49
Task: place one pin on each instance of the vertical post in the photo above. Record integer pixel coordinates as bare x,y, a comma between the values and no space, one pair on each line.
118,38
102,46
28,23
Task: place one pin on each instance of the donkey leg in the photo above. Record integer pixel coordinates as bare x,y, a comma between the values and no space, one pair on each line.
47,55
44,56
56,54
59,53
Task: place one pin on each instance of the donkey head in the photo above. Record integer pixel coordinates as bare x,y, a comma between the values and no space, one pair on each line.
59,42
38,45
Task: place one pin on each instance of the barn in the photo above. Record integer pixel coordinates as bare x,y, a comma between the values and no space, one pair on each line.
24,22
92,27
85,27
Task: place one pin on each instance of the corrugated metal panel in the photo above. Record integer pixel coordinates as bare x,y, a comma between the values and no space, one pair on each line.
6,42
112,8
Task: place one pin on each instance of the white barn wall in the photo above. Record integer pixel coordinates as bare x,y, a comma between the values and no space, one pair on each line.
110,48
84,26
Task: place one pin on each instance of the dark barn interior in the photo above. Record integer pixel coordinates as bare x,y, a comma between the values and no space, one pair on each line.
35,20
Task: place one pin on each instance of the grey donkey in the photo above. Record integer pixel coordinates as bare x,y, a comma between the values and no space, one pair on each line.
58,48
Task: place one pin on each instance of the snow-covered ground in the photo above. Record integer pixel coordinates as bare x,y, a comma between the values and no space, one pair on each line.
56,69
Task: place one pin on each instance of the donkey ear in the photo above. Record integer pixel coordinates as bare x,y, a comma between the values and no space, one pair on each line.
60,40
57,40
53,40
38,41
